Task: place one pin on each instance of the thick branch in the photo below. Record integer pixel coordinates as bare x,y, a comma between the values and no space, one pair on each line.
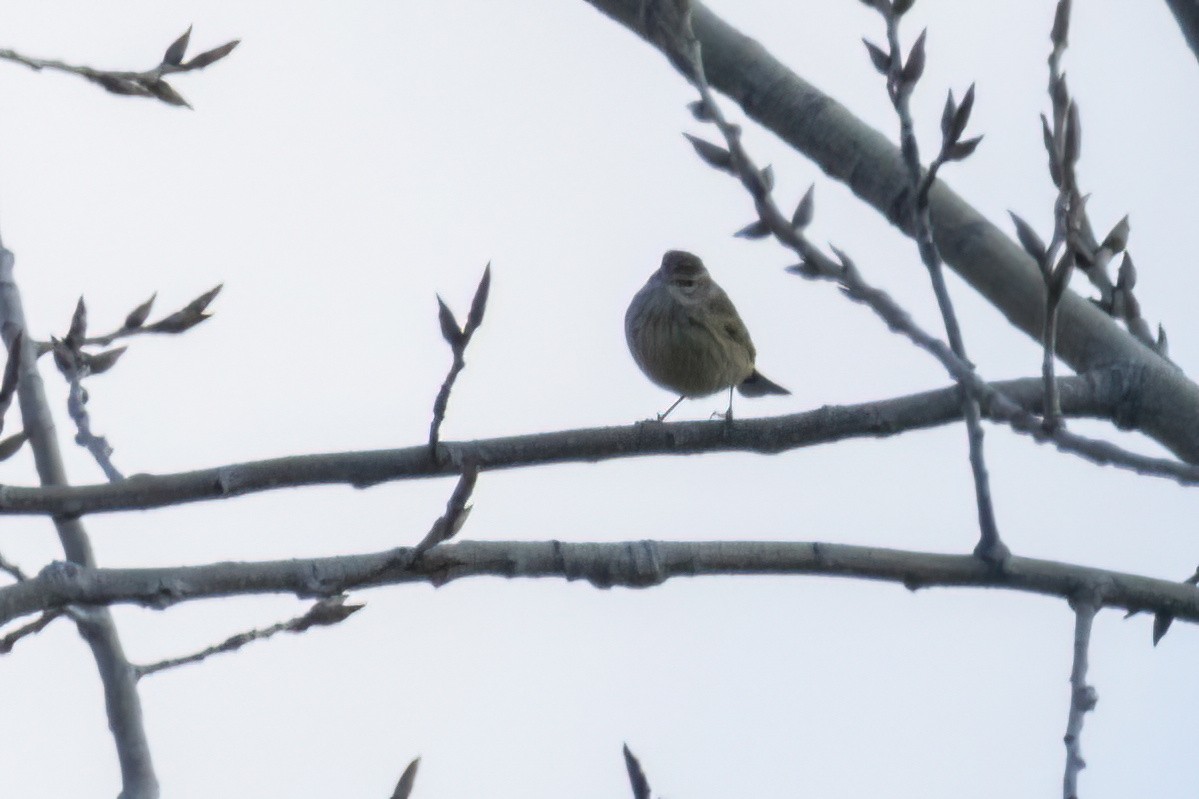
632,564
96,627
1095,396
852,152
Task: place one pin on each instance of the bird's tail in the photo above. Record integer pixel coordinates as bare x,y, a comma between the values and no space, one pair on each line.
758,386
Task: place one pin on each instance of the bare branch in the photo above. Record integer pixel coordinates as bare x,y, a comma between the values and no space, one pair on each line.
632,564
1098,395
148,83
101,451
95,625
42,622
1082,696
327,612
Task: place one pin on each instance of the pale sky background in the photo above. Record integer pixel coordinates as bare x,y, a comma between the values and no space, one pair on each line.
352,159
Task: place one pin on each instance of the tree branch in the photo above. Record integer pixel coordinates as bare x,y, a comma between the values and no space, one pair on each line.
1099,395
1167,403
631,564
327,612
8,641
147,83
95,625
1082,696
902,77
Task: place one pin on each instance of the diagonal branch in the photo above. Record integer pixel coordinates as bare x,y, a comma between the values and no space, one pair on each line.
146,83
902,78
1082,696
630,564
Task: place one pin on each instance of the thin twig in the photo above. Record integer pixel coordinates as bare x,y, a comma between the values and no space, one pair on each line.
147,83
1062,134
42,622
74,364
98,446
902,79
12,569
457,337
1082,696
632,564
816,265
327,612
135,324
1010,402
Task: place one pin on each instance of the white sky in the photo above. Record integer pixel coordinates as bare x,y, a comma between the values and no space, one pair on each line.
349,161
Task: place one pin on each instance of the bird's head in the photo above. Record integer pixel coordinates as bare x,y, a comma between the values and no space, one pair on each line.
684,274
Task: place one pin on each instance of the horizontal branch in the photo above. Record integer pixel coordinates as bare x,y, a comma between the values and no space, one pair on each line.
632,564
1097,395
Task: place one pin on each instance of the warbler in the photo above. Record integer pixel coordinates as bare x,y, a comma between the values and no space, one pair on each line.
687,337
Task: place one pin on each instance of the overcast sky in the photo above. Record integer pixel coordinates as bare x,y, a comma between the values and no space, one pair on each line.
351,160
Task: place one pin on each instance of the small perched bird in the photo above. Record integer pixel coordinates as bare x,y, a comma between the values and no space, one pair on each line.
686,336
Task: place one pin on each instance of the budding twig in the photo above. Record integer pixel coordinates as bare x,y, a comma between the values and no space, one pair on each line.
902,76
36,626
1062,134
75,363
327,612
148,83
457,337
12,570
456,510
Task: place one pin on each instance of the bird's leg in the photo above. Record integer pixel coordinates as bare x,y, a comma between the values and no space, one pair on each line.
727,415
662,416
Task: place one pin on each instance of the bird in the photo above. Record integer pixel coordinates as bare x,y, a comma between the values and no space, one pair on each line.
687,337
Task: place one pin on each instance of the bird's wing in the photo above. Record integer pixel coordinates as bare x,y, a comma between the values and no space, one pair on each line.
725,319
